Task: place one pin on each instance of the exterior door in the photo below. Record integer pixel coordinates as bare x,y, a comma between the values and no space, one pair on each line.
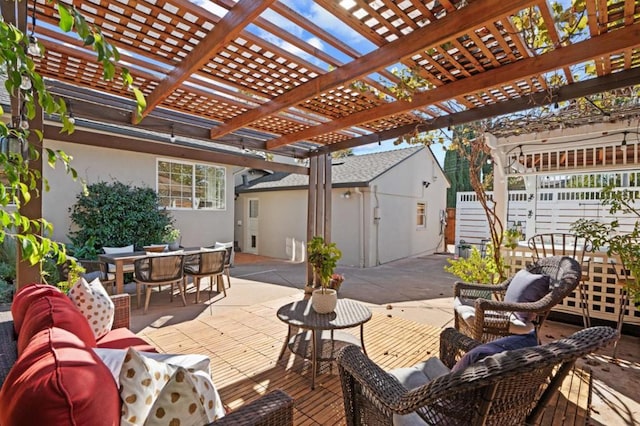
251,245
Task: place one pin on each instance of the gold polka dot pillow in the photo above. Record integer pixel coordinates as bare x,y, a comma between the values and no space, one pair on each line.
94,303
156,393
187,399
141,380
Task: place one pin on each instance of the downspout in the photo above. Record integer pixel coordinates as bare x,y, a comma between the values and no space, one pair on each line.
376,221
361,228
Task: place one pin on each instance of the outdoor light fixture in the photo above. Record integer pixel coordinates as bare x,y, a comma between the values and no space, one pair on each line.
425,183
347,195
33,47
520,155
172,138
71,117
14,144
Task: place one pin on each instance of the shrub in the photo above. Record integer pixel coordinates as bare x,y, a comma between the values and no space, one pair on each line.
475,268
116,214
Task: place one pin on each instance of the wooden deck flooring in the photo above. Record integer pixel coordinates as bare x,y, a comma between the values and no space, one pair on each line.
244,345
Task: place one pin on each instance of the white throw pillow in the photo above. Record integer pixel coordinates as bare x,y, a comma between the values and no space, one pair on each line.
114,358
118,250
156,393
94,303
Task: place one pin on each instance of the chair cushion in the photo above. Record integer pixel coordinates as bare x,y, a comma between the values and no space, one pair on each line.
118,250
468,313
420,374
94,303
526,287
153,392
507,343
123,338
59,380
54,311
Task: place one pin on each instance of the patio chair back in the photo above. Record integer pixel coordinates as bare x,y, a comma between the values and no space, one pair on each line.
207,263
159,269
509,388
562,244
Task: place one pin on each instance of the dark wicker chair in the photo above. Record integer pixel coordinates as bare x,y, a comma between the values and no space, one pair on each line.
492,317
510,388
561,244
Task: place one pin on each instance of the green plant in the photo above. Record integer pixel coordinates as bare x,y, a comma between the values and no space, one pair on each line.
116,214
22,81
323,258
607,235
171,234
8,257
475,268
512,237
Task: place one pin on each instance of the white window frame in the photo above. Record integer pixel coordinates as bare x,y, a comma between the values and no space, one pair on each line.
196,193
421,215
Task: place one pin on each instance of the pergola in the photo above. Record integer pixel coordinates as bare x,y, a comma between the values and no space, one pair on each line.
262,75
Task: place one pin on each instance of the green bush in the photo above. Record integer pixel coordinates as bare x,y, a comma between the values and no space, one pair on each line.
116,214
475,268
8,258
6,291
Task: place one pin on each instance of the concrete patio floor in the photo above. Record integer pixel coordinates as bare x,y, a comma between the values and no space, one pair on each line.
416,289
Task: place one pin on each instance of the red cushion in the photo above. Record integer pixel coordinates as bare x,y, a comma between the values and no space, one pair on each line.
25,296
59,380
54,311
123,338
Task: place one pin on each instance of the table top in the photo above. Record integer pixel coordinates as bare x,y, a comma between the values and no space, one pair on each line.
133,255
348,313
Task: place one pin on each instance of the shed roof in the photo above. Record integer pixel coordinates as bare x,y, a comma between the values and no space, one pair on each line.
354,170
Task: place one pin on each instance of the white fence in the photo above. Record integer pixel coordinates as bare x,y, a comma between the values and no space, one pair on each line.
553,208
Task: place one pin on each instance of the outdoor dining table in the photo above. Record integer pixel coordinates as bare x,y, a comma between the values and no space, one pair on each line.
121,259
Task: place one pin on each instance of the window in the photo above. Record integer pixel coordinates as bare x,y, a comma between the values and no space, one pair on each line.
421,215
191,186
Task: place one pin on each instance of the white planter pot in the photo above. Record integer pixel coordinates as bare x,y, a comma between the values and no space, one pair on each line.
323,303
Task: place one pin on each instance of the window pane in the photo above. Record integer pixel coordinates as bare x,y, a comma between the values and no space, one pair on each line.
421,212
184,185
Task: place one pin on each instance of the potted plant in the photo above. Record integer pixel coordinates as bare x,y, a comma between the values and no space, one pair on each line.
171,237
323,258
608,236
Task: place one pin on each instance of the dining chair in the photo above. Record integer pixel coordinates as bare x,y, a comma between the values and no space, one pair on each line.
101,270
563,244
158,270
111,268
208,263
228,260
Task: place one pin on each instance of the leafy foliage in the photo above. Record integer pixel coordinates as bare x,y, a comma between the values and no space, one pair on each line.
116,214
323,258
20,183
475,268
607,235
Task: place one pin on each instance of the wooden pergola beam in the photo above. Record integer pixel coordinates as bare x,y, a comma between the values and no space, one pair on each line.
242,14
603,45
115,141
474,15
576,90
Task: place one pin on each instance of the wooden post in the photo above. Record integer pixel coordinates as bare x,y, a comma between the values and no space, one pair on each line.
319,202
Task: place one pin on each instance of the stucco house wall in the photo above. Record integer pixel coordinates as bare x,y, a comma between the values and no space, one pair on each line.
364,240
93,164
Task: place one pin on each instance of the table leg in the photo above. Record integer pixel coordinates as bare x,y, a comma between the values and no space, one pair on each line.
286,343
119,276
314,361
362,339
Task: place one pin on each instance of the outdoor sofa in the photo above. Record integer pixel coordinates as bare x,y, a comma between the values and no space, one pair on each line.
51,375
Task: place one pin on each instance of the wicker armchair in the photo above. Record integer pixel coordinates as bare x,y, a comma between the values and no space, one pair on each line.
492,318
510,388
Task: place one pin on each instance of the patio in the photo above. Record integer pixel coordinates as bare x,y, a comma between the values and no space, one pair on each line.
243,337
